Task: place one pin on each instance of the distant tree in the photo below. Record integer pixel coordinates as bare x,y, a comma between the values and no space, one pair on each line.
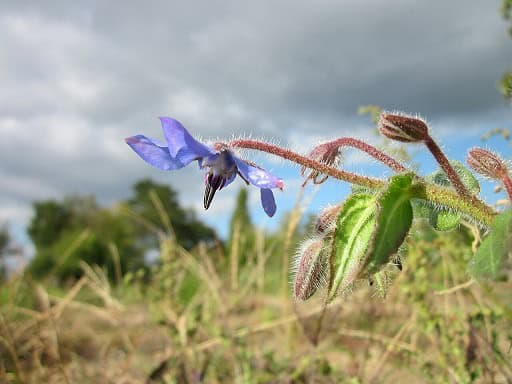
77,229
4,239
506,80
506,10
241,213
4,244
50,219
189,231
241,229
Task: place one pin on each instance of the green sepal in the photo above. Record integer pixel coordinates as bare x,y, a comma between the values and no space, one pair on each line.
421,209
497,246
443,219
393,221
356,188
354,228
369,230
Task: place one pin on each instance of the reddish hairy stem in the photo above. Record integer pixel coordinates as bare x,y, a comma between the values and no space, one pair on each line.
470,205
507,183
308,163
447,168
370,150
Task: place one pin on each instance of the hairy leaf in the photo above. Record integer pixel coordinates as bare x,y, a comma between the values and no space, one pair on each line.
393,221
353,232
496,247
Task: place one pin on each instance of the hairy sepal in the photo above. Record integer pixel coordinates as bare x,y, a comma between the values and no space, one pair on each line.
443,219
392,224
354,229
369,230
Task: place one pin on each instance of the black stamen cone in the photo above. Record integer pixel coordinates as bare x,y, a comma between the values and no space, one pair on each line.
213,183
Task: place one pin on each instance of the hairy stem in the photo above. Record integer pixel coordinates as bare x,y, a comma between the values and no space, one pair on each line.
447,168
370,150
466,204
507,183
471,205
308,163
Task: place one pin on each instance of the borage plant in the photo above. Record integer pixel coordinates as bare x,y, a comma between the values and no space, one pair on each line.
361,236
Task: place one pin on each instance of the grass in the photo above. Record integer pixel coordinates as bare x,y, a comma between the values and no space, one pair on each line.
213,316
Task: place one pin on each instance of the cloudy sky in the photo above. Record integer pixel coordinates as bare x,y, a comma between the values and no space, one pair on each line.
77,77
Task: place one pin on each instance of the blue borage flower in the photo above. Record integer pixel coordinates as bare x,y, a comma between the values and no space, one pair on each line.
218,160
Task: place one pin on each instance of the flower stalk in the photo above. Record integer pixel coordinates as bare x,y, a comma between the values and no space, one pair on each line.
339,174
221,165
507,183
447,168
327,152
466,204
410,129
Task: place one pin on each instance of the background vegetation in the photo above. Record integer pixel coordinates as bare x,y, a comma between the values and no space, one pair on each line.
144,292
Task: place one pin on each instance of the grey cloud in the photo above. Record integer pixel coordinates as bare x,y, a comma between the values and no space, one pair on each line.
325,59
78,77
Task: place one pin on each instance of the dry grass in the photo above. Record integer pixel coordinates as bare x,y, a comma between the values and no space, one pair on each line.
205,317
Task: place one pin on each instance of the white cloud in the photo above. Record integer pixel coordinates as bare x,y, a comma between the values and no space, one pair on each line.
14,211
77,78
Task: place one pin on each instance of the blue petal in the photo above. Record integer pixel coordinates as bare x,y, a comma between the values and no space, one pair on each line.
268,202
229,180
182,146
257,176
153,153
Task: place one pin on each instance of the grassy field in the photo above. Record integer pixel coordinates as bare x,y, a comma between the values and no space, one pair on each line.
216,316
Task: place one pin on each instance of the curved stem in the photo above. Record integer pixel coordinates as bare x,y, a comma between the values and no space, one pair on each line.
471,206
447,168
377,154
468,205
308,163
507,183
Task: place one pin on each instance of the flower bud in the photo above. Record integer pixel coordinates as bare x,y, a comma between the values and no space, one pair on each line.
310,269
487,163
327,153
326,220
406,129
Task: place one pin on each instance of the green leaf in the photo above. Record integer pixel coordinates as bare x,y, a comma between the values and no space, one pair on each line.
421,209
442,219
393,221
468,179
497,246
353,232
369,230
361,189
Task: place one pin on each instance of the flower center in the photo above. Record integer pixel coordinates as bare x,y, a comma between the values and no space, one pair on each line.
221,170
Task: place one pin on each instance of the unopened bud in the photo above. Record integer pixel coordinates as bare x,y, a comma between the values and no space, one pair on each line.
326,221
406,129
327,153
487,163
310,269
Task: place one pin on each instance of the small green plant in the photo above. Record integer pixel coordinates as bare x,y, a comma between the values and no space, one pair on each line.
365,233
